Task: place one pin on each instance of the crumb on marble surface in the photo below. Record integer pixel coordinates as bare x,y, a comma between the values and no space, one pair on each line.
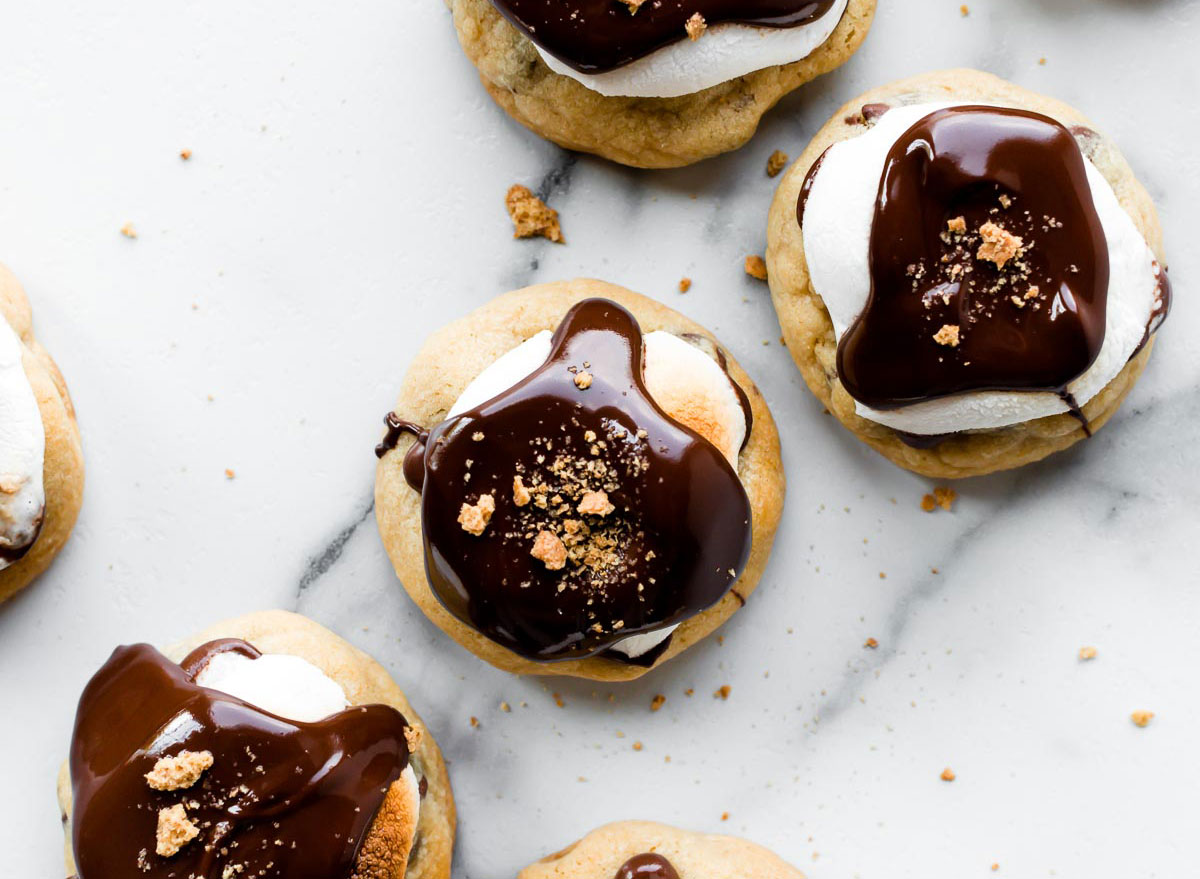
756,267
1087,653
531,216
948,774
1142,718
776,162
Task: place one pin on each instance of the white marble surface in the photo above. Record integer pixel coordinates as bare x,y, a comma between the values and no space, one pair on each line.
344,200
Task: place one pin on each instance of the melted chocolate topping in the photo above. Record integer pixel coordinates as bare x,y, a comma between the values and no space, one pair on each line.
281,800
646,866
595,36
580,432
956,303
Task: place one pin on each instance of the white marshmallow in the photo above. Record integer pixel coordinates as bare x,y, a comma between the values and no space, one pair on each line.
837,228
722,53
22,448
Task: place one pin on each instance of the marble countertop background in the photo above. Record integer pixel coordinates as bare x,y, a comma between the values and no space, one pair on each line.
345,199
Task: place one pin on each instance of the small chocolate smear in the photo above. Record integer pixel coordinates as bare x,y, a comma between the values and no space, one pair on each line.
595,36
989,265
806,190
1075,411
646,866
674,542
281,800
1162,307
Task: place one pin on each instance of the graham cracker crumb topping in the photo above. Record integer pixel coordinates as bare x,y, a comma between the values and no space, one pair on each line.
999,246
179,772
696,26
595,503
174,831
474,518
947,335
550,551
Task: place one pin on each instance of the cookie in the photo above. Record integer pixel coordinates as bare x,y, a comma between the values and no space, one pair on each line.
698,119
1003,300
646,850
557,509
275,749
41,466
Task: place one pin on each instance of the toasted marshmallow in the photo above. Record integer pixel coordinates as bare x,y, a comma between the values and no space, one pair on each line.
22,450
685,382
289,687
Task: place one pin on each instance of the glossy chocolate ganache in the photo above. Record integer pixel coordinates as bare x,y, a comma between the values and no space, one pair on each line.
596,36
240,793
570,512
650,865
989,266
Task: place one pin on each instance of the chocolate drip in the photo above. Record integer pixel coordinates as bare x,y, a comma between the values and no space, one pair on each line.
806,189
414,458
1162,307
595,36
11,554
1031,321
646,866
281,800
581,426
1075,410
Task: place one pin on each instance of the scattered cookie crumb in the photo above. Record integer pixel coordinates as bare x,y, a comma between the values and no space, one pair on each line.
871,643
174,831
583,380
531,216
1087,653
756,267
958,225
995,867
947,335
185,154
965,10
690,691
696,26
634,5
180,771
505,707
1042,62
474,518
948,774
724,816
637,746
474,722
776,162
1142,718
549,550
723,692
657,702
229,474
558,700
941,497
128,231
685,284
595,503
999,245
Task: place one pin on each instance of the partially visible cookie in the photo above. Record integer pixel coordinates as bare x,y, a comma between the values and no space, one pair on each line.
220,775
558,509
998,349
631,126
41,481
646,850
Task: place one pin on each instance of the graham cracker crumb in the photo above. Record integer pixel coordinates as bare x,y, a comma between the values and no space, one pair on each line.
999,246
128,231
595,503
945,497
947,335
948,774
724,816
174,831
634,5
474,722
474,518
756,267
531,216
685,284
558,700
1142,718
723,692
185,154
229,474
776,162
928,504
965,10
1087,653
637,746
871,643
505,707
958,225
583,380
179,772
549,550
521,494
696,26
657,702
